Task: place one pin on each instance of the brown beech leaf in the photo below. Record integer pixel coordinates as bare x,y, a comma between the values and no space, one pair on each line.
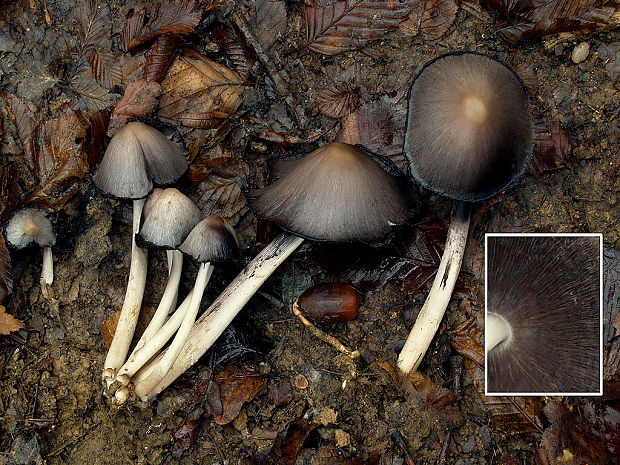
61,160
90,94
267,21
431,18
543,17
237,384
574,436
379,125
611,291
94,26
411,260
6,271
113,69
287,445
23,114
8,323
553,145
184,437
160,56
350,24
512,416
155,18
233,51
466,339
10,191
339,100
218,190
139,100
98,124
108,327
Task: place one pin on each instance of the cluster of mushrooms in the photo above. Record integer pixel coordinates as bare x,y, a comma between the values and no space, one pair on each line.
468,136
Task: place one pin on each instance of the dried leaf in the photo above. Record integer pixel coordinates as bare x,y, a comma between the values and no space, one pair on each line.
380,126
105,68
553,145
61,160
281,393
287,445
350,24
8,323
108,327
6,271
219,187
431,18
466,339
267,21
10,192
237,384
98,123
91,95
196,85
513,416
411,260
339,100
160,56
184,437
440,397
139,100
233,50
23,114
157,18
94,27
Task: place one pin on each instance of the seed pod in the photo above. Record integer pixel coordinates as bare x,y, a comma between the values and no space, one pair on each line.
329,303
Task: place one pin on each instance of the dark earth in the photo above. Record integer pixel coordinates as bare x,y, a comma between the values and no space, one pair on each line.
304,402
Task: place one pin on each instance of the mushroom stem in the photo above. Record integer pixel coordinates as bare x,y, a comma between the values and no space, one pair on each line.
162,366
223,310
497,330
167,302
132,304
47,269
438,298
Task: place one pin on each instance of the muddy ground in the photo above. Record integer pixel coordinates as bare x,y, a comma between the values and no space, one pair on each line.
51,405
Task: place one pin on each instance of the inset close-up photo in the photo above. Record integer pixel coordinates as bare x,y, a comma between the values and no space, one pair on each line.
543,314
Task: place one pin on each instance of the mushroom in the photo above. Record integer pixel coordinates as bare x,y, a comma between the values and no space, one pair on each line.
469,135
170,218
337,193
136,157
543,323
32,224
213,240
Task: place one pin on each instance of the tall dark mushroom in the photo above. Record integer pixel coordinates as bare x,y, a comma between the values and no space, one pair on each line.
337,193
137,156
469,135
543,324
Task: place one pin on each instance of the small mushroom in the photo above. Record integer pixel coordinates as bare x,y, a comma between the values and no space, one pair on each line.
213,240
543,324
136,157
469,135
337,193
33,225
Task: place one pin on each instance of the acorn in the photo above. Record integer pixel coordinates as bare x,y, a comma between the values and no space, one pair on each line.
329,303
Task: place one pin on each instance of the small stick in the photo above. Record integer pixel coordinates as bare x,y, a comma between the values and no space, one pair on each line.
399,440
444,448
331,340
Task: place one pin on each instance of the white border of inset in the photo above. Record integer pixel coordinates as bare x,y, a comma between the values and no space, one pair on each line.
508,394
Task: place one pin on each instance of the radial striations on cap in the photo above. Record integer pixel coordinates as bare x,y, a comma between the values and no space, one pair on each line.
212,240
337,193
547,290
469,131
30,225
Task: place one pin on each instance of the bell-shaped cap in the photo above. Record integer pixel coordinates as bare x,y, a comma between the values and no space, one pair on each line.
337,193
29,225
170,218
211,240
469,131
136,157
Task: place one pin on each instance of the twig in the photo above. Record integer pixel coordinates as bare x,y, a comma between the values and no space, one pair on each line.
220,456
399,440
331,340
444,448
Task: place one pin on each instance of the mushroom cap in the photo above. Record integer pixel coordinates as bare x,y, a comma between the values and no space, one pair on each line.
29,225
170,218
469,130
338,193
136,157
211,240
547,289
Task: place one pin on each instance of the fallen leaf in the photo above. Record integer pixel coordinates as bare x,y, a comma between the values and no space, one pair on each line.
8,323
512,416
267,21
287,445
154,19
90,94
22,113
94,28
184,437
553,145
350,24
10,191
339,100
611,435
232,50
237,384
98,124
108,327
61,160
140,99
440,397
218,190
281,393
379,125
114,69
431,18
6,272
611,292
160,56
466,338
